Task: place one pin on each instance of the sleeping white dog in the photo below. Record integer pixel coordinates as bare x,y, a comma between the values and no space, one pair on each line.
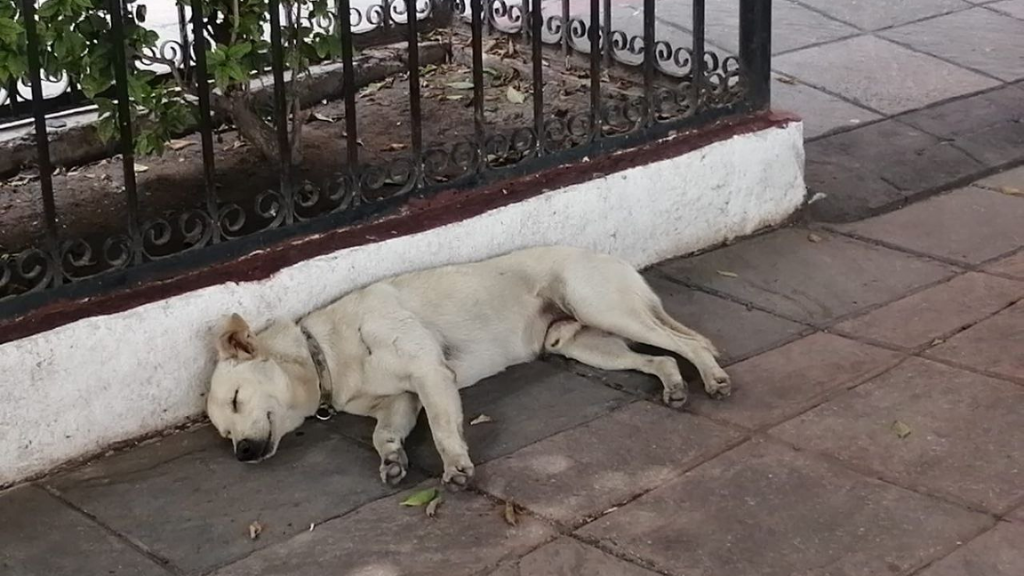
414,340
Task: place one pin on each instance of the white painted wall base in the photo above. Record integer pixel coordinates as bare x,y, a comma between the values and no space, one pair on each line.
74,390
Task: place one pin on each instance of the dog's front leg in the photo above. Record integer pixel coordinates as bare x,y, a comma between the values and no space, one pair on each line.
396,417
440,397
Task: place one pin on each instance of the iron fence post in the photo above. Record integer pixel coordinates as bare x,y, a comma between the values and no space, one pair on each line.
756,49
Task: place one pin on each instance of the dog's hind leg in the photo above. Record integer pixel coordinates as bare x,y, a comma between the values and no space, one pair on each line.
396,417
602,350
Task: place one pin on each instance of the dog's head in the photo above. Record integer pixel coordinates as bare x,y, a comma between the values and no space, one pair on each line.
261,388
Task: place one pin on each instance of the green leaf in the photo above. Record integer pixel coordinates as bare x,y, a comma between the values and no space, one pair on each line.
421,498
9,30
237,51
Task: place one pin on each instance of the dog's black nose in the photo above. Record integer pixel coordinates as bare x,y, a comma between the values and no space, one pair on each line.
248,450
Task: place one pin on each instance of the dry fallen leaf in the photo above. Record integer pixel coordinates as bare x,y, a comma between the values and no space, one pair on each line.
322,118
254,529
421,498
481,419
728,274
179,144
509,514
432,506
139,168
461,85
812,237
395,147
1011,191
937,341
787,79
311,526
901,429
515,96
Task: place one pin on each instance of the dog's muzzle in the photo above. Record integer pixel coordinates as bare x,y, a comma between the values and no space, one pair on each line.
250,450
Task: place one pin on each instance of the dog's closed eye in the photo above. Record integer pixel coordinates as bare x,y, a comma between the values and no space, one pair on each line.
234,402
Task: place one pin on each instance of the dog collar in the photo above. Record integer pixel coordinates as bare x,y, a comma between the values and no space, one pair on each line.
323,374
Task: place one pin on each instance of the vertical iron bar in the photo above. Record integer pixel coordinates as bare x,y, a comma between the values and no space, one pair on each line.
697,62
649,56
124,121
183,22
414,82
478,72
566,28
385,17
205,124
595,68
756,50
349,87
39,115
537,16
281,108
607,33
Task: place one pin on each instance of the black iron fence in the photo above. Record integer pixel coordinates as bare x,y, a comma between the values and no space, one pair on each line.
536,83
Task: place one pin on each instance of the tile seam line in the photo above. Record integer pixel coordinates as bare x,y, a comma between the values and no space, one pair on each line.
965,266
881,476
164,564
912,48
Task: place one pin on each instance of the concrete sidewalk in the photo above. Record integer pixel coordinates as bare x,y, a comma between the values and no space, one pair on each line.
876,428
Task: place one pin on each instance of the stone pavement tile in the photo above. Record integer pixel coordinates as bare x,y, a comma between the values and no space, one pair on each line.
1007,179
822,113
995,346
875,14
584,471
998,552
879,74
937,312
766,510
568,557
777,385
195,509
736,330
42,536
467,536
866,169
527,403
966,431
1012,266
978,38
1013,8
987,126
812,281
1017,515
968,226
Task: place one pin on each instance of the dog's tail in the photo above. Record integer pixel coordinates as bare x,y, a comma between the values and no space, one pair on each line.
663,317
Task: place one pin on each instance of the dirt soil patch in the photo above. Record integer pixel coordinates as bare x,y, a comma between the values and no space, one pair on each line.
90,199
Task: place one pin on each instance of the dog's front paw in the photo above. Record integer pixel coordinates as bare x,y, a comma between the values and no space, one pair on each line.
675,398
456,476
719,386
394,466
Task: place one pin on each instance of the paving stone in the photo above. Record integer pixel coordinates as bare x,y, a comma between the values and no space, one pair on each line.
937,312
821,113
527,403
968,226
880,74
1007,179
567,557
42,536
584,471
979,39
1013,8
997,552
812,281
383,538
195,508
1017,515
864,170
966,431
995,345
1012,266
767,510
989,126
875,14
779,384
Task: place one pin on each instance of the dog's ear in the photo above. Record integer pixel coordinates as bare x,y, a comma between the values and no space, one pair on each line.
236,340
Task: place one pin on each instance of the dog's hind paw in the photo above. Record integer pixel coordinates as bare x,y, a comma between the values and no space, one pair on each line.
393,467
676,398
457,477
720,387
